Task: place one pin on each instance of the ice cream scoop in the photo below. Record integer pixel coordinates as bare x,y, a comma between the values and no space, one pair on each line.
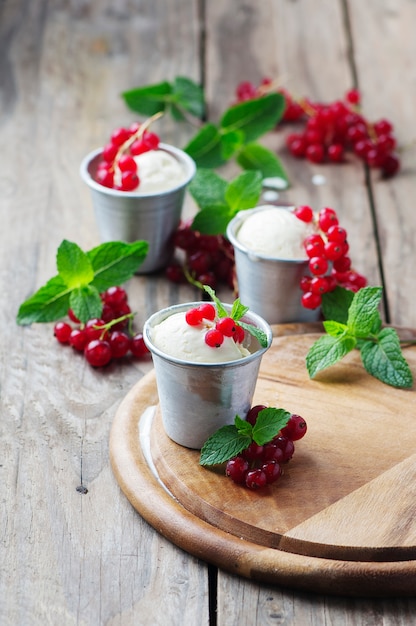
175,337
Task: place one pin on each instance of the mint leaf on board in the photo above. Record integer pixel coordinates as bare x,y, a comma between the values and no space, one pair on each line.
222,312
254,117
327,351
150,99
384,360
254,156
212,220
208,188
115,262
231,142
243,427
74,266
205,147
223,445
244,191
85,302
363,313
49,303
269,423
335,304
334,328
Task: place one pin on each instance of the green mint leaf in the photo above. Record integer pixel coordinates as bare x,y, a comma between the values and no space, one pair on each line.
238,310
205,147
335,304
363,312
327,351
115,262
150,99
222,312
269,423
74,266
231,141
254,156
86,303
223,445
259,334
244,191
254,117
243,427
212,220
208,189
334,328
48,304
189,96
384,360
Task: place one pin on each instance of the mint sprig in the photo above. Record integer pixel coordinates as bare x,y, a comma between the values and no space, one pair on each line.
360,328
234,136
238,310
80,279
230,440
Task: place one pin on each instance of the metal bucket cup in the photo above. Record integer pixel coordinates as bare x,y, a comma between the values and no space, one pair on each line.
269,285
198,398
131,215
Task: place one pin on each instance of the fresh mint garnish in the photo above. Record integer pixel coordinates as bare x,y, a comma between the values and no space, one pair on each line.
219,201
361,327
237,312
229,441
80,279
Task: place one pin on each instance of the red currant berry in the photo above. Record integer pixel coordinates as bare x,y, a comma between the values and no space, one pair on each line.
343,264
287,446
115,296
327,218
353,96
119,344
272,452
126,163
336,233
239,334
304,213
62,332
208,278
119,136
78,339
315,153
105,177
383,127
174,273
138,347
253,452
318,265
193,317
334,250
207,311
214,338
129,181
98,352
336,152
391,166
236,469
94,329
314,245
272,470
305,283
138,147
251,416
255,479
109,152
73,317
298,148
319,285
311,300
226,326
295,429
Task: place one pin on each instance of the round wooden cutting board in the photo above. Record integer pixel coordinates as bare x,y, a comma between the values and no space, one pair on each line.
342,519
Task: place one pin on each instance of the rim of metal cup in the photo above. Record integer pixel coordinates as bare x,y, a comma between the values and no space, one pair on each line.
235,224
180,155
161,315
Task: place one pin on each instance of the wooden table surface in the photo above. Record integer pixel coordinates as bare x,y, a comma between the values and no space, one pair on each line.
84,556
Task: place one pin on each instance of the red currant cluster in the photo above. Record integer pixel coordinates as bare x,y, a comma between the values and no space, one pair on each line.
327,251
208,259
118,168
332,130
217,328
107,338
258,466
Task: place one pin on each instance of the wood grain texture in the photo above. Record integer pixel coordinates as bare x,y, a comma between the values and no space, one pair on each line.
341,518
68,557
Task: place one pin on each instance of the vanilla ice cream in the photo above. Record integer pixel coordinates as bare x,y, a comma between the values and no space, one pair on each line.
176,338
158,171
274,232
